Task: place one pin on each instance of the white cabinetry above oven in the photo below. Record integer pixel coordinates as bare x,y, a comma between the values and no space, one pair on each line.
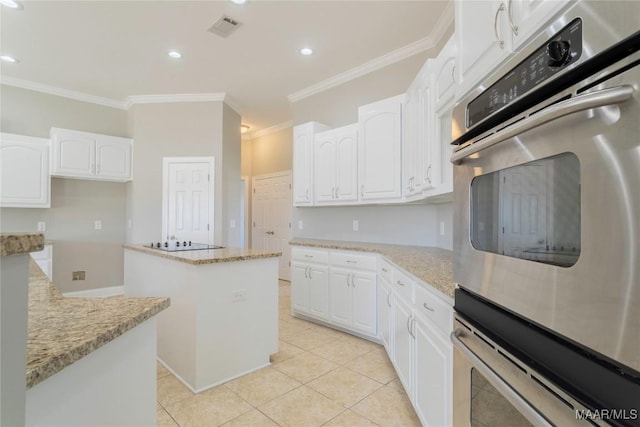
489,31
85,155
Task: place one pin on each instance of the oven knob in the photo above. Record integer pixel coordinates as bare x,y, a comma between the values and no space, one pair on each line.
558,51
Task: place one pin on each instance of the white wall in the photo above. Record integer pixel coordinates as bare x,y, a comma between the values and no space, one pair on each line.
182,129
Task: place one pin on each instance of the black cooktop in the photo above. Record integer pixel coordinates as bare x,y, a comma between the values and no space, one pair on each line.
176,246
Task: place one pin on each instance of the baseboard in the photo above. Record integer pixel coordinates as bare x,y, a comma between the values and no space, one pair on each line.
207,387
98,292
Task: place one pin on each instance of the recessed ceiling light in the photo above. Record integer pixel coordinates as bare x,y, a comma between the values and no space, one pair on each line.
12,4
239,1
244,128
7,58
306,51
175,54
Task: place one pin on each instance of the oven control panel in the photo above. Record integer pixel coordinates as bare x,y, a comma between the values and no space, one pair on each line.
559,52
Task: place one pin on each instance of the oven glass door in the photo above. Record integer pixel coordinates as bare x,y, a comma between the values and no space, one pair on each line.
530,211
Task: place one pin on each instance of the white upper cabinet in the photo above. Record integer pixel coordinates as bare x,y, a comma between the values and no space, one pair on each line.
336,165
380,149
412,148
86,155
489,30
303,173
439,172
24,172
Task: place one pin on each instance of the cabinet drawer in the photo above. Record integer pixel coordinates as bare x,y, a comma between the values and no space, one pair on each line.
434,309
351,260
310,255
403,285
386,271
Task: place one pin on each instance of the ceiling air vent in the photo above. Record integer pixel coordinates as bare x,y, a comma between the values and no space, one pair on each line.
224,26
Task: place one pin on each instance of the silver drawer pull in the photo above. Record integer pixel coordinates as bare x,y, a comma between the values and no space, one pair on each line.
308,256
400,283
352,262
427,307
385,270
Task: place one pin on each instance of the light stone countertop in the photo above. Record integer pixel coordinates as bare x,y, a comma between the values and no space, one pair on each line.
20,243
62,330
434,266
207,256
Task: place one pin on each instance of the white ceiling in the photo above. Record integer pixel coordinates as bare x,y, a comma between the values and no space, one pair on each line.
116,49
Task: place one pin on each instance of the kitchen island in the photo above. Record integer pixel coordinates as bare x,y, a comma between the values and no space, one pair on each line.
223,319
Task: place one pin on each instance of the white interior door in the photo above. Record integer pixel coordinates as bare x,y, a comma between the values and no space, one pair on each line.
271,207
524,209
188,200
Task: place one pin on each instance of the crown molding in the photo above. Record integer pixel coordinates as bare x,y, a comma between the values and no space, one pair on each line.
65,93
234,104
275,128
429,42
177,97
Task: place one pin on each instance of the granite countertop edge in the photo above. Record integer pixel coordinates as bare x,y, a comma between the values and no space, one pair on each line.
438,276
58,362
220,257
20,243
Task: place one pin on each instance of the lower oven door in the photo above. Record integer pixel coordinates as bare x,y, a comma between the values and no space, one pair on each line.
492,389
547,219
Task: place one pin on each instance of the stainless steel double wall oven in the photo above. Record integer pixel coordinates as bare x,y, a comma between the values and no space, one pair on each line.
547,225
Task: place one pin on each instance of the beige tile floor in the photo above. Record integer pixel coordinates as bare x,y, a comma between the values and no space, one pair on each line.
320,377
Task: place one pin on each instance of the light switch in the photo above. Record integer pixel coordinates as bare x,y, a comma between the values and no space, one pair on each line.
232,223
97,224
356,225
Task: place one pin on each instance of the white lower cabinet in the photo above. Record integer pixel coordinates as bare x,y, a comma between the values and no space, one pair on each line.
432,374
310,282
385,316
403,343
413,321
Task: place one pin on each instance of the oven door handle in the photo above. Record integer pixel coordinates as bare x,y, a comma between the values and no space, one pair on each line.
513,397
601,98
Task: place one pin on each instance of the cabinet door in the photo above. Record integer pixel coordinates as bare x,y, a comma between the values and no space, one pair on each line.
385,316
379,149
480,49
529,16
113,158
364,288
347,164
73,153
430,152
411,183
325,167
319,291
432,375
24,172
340,296
403,343
299,287
302,164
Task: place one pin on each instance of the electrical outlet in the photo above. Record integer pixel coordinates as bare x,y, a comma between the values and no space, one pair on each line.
97,224
356,225
232,223
240,295
78,275
42,226
442,228
129,223
300,225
